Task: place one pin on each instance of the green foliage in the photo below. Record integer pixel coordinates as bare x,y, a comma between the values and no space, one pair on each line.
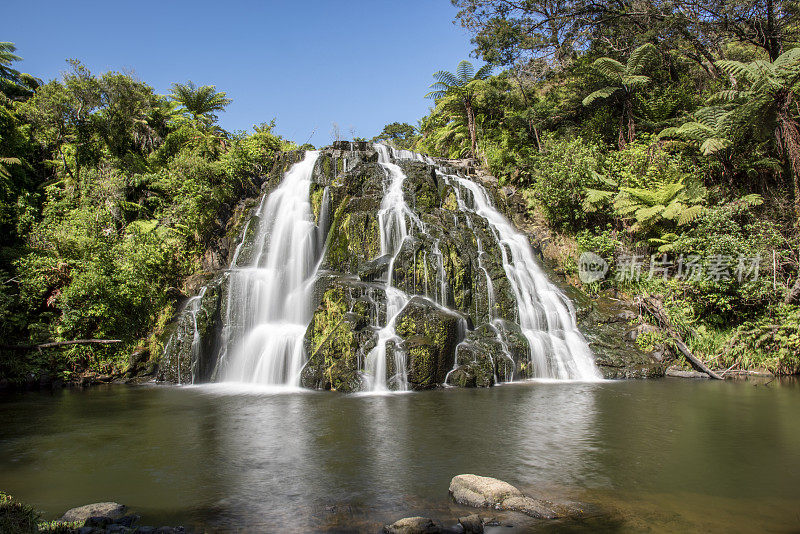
398,134
200,103
16,517
561,175
110,197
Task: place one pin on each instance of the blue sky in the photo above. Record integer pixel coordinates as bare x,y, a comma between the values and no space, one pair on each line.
361,64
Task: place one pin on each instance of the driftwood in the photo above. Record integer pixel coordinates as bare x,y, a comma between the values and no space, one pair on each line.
656,309
56,344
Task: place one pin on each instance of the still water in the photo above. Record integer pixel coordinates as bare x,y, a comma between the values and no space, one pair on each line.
662,456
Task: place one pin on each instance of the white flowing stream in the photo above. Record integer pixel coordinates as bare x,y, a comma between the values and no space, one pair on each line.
269,299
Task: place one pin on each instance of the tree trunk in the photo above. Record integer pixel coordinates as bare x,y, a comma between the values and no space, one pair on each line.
629,116
794,294
473,138
621,139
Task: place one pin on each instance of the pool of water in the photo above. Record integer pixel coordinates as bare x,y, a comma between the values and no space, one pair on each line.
661,455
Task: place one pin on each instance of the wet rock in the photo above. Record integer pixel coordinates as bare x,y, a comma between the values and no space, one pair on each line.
604,322
112,510
339,335
487,492
471,524
429,335
98,521
413,525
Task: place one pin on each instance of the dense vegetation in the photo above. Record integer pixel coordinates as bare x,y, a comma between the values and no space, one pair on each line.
653,134
110,195
662,137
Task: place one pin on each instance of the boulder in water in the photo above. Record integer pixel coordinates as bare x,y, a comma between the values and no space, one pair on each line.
413,525
113,510
487,492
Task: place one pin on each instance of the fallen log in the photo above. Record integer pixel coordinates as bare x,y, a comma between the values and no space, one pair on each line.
656,309
697,362
56,344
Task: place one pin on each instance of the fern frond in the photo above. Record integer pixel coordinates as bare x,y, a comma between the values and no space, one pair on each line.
600,94
465,71
609,68
690,214
645,215
713,145
641,57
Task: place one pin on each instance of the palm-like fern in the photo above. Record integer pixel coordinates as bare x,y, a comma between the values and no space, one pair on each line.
461,85
665,201
662,206
624,81
4,162
12,80
768,97
200,103
709,130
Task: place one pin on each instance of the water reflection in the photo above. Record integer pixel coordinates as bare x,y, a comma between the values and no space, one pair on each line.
666,453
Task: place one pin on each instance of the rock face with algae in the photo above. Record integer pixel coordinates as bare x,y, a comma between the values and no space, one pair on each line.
459,324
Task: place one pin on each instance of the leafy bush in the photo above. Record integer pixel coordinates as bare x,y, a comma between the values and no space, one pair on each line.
562,174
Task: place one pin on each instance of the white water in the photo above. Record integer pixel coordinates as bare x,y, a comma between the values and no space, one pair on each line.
546,316
269,299
394,219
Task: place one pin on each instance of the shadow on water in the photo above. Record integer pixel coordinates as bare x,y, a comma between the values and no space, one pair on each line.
661,455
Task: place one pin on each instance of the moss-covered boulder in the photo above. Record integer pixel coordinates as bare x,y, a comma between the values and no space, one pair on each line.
483,359
340,334
430,335
608,324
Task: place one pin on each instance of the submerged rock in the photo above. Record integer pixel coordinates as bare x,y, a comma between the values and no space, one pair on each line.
414,525
487,492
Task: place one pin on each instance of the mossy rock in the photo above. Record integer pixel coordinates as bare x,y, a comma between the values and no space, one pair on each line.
178,364
430,335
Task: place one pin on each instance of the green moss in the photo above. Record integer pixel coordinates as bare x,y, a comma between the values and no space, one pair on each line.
317,193
332,339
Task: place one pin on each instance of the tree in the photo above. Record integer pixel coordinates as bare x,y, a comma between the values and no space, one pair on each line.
462,86
14,83
400,134
769,99
200,103
625,81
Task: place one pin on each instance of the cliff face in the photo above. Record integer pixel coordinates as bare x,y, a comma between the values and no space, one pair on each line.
459,322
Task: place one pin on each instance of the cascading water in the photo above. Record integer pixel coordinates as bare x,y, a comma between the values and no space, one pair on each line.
447,259
269,299
394,219
546,316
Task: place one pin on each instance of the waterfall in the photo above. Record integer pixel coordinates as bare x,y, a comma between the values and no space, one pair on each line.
546,316
394,218
269,298
476,267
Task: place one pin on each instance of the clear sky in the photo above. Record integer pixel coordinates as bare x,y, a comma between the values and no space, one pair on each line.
306,63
